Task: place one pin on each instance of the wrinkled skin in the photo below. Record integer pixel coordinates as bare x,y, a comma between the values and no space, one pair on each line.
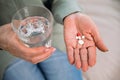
10,42
82,56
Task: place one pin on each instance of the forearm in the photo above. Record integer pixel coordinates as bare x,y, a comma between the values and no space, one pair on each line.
4,31
1,40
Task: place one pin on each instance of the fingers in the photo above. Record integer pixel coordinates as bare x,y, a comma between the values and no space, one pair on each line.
70,55
77,56
77,59
35,55
98,41
92,56
18,49
84,59
41,57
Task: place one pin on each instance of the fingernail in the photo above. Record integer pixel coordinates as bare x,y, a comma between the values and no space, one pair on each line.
54,49
78,66
91,65
85,69
71,62
106,50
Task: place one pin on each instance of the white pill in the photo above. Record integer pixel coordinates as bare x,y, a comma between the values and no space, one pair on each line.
77,37
81,42
83,37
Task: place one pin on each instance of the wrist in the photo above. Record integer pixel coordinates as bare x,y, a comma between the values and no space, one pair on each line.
1,32
71,14
4,29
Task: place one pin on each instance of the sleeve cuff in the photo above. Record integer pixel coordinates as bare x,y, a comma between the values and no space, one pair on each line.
63,8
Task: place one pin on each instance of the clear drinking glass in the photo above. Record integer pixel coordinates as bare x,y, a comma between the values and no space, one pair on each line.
33,26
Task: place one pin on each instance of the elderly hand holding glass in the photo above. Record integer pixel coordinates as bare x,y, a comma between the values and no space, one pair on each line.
31,27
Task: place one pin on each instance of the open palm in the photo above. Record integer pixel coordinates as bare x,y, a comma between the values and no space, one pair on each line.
82,55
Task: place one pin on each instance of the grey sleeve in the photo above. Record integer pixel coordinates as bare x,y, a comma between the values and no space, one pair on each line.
62,8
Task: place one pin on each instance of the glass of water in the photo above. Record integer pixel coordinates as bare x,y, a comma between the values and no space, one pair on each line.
33,25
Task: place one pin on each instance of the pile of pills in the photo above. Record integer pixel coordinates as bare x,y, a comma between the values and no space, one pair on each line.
80,38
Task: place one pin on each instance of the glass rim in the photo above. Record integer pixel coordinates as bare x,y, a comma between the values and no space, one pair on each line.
14,15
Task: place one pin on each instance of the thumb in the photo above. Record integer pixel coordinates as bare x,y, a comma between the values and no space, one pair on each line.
98,41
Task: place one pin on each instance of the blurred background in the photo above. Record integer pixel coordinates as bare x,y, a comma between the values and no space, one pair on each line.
106,14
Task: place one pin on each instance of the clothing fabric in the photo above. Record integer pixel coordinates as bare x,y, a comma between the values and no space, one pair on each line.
59,8
56,67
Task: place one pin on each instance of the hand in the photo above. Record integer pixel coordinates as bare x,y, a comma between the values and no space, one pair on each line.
10,42
82,55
